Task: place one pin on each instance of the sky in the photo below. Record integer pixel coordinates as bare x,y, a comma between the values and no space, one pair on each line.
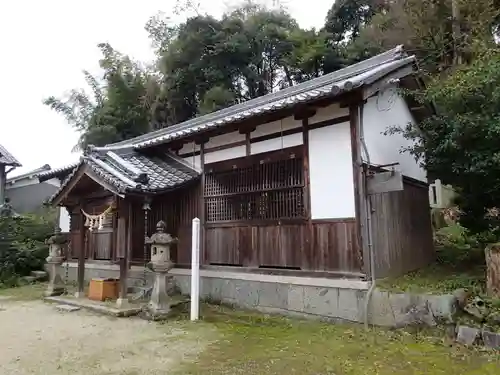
45,46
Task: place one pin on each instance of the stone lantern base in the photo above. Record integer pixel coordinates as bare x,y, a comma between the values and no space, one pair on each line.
56,286
162,304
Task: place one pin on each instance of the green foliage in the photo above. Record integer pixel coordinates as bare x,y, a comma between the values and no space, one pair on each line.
456,247
460,143
205,64
22,246
424,27
122,104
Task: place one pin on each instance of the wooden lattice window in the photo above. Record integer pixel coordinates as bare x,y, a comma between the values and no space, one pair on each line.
265,187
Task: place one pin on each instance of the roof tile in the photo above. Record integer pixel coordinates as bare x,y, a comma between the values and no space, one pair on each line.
162,172
7,158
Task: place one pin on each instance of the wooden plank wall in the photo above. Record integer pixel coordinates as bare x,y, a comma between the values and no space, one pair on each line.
402,232
323,246
177,209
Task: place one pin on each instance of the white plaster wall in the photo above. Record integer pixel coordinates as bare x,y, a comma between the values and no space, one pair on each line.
277,143
276,127
227,154
194,161
385,110
215,156
224,139
27,181
327,113
331,174
63,219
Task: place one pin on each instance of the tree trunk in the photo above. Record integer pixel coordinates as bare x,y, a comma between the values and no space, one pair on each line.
457,56
492,253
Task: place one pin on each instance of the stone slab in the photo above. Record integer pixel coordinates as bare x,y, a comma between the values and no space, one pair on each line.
467,335
100,308
67,308
491,339
443,306
29,279
39,274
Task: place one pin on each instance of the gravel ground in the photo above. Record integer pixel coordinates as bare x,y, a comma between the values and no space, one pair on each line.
35,338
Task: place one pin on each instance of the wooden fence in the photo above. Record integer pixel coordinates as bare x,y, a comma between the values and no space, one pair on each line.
402,231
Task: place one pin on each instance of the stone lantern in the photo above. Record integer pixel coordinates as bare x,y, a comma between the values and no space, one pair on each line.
160,302
56,244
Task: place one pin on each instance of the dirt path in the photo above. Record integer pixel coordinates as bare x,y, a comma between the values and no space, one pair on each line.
35,338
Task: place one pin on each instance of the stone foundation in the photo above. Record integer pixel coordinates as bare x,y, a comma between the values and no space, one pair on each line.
330,299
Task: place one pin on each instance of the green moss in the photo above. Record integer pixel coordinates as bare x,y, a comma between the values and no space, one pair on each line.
25,293
256,344
437,278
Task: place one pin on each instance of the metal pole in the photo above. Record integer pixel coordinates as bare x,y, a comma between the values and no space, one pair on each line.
195,270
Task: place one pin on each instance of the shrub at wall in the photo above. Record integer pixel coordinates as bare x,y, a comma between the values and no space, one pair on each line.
22,246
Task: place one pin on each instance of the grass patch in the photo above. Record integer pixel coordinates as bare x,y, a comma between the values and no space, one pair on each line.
438,278
256,344
25,292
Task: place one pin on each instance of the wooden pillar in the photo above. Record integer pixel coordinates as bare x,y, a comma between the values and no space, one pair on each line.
122,251
203,249
363,257
130,207
248,144
251,259
81,256
308,255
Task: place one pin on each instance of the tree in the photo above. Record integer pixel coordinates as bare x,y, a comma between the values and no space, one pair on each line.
122,104
207,63
460,143
425,28
343,24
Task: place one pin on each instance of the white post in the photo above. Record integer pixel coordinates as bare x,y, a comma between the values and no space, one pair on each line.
195,270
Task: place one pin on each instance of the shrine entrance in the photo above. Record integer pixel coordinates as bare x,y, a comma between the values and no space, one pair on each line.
100,223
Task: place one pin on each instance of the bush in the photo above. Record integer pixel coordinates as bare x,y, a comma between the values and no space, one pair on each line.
456,246
22,246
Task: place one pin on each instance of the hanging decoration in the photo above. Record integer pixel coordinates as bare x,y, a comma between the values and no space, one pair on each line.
96,221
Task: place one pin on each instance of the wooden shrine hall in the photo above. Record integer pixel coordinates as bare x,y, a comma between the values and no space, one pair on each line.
116,198
282,185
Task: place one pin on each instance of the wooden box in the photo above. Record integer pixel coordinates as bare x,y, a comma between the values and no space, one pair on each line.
101,289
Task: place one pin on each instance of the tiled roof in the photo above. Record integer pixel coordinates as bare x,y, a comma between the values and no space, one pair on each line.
7,158
56,172
329,85
31,174
134,172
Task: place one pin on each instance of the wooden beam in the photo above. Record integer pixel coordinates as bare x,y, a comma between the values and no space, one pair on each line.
247,129
63,193
304,113
268,137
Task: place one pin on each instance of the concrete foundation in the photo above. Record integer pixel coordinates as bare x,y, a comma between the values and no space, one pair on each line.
330,299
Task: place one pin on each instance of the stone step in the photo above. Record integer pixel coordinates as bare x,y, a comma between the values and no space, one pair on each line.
67,308
29,279
39,275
